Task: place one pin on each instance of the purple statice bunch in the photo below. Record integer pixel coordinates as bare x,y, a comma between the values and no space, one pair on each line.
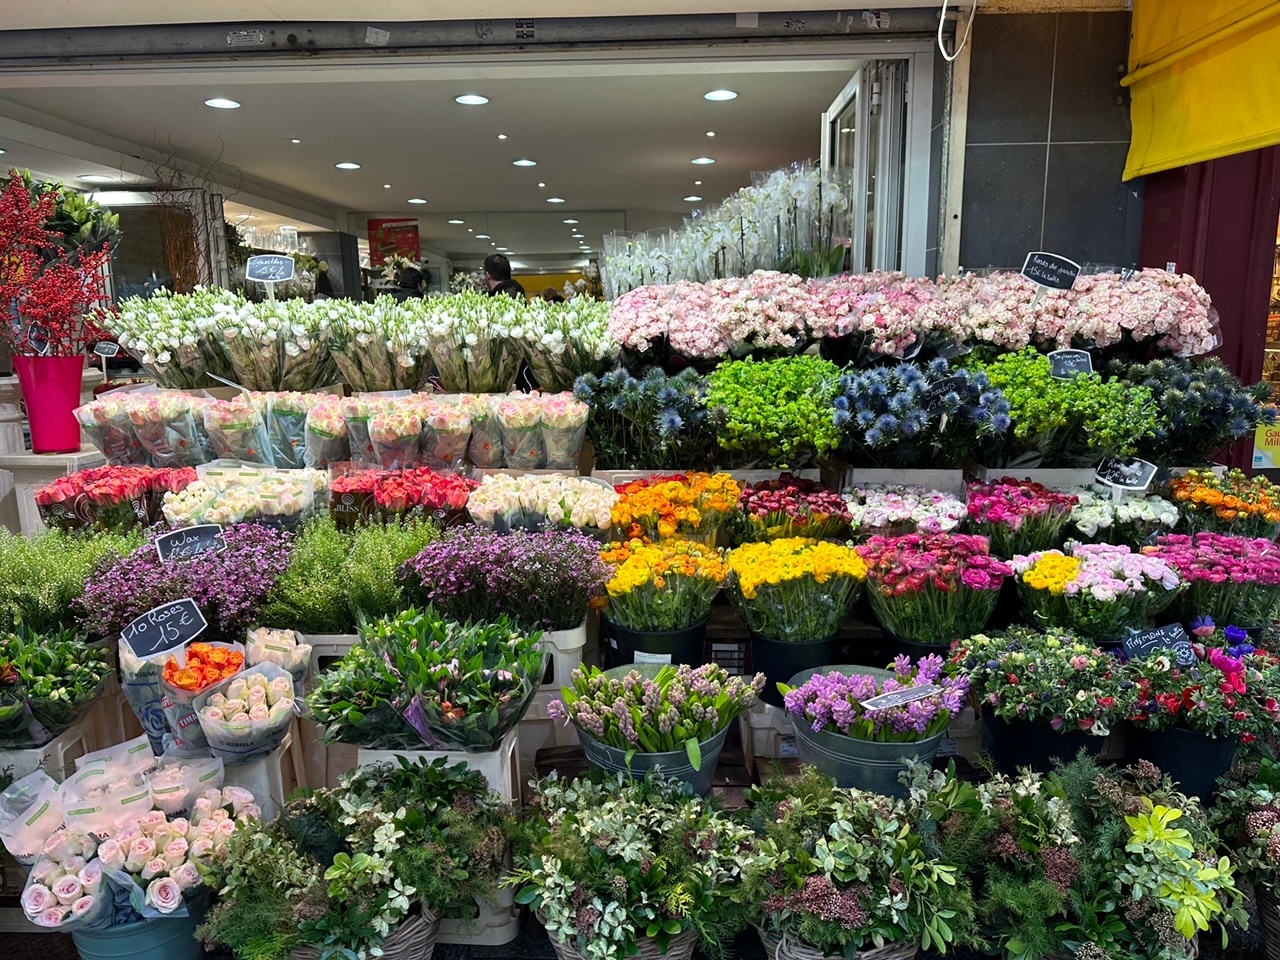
542,580
230,586
834,702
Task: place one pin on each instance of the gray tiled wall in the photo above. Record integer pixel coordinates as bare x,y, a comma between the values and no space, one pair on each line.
1047,141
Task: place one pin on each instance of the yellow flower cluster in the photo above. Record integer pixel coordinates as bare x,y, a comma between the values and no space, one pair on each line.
639,564
1052,572
755,565
665,506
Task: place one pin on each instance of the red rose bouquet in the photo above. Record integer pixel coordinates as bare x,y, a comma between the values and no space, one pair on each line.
109,498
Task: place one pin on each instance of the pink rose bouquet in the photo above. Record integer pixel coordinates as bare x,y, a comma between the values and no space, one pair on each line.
65,889
1019,516
1229,579
933,588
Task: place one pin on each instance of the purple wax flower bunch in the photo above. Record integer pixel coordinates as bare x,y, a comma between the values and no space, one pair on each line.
229,586
542,581
833,702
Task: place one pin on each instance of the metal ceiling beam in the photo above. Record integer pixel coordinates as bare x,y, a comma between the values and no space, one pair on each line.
275,43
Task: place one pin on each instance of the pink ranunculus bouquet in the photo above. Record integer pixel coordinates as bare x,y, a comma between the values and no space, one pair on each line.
933,588
1019,516
1229,579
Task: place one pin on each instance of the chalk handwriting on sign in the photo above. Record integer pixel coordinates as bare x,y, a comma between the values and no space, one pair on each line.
164,629
190,541
1126,474
898,698
269,268
1050,270
1065,364
935,399
1173,638
107,349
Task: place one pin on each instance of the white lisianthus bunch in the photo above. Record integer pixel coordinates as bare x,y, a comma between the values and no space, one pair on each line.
1132,521
562,341
172,335
473,339
379,346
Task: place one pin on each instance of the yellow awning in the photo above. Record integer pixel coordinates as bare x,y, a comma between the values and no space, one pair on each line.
1204,76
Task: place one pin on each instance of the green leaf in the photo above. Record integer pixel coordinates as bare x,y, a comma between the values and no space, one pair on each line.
527,896
694,751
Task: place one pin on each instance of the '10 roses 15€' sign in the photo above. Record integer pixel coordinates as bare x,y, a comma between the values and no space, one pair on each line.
164,628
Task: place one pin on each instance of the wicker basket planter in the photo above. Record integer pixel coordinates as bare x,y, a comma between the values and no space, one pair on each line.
792,949
680,947
1269,914
414,939
770,944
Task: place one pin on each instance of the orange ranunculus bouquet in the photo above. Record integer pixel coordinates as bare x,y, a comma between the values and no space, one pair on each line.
1234,503
682,506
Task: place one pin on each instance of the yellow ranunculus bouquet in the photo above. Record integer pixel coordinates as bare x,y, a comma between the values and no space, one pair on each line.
662,586
795,589
675,506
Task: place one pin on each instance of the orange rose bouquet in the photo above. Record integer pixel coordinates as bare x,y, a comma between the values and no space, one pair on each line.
680,506
198,669
1233,504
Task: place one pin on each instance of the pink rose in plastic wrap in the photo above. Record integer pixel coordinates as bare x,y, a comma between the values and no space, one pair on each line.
153,868
112,854
53,916
164,894
82,906
187,876
67,890
36,899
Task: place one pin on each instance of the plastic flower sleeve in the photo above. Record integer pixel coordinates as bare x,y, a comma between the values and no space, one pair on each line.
145,693
359,411
326,439
30,811
105,422
196,669
521,420
396,437
485,447
564,427
177,781
446,434
90,909
247,718
286,415
165,426
286,650
237,431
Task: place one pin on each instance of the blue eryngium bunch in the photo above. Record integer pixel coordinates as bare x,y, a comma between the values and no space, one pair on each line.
653,423
918,415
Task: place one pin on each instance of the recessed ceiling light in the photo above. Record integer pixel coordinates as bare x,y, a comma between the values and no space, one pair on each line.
482,236
692,198
96,178
502,136
471,229
569,221
1,151
711,133
386,186
457,221
697,183
347,165
720,95
222,103
703,161
504,249
295,140
471,100
416,200
542,184
579,236
524,162
555,199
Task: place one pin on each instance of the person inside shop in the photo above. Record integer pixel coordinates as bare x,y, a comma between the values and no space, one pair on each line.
552,295
410,285
497,270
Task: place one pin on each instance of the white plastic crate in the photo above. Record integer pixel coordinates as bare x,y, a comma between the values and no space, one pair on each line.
500,767
1055,478
327,647
57,757
947,481
267,778
768,733
498,923
565,647
538,731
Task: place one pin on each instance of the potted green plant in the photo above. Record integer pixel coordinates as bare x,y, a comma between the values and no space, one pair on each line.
1246,814
607,881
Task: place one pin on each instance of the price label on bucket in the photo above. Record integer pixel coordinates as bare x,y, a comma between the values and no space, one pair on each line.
898,698
1141,645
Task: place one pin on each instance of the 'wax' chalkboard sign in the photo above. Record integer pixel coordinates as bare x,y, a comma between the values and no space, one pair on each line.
935,398
269,268
1173,637
1065,364
899,697
1050,270
164,629
1126,474
190,541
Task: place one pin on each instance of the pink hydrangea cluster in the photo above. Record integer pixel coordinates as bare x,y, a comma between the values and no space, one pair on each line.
892,311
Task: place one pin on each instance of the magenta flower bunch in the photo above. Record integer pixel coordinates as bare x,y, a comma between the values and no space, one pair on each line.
1229,579
835,702
1019,516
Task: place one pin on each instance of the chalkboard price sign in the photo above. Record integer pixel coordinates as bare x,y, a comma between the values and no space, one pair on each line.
900,697
269,268
164,629
1065,364
1173,637
190,541
1126,474
1050,270
106,348
935,399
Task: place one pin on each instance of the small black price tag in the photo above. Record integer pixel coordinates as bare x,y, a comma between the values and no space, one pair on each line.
269,268
164,629
934,399
900,697
1126,474
107,348
1050,270
1174,638
190,542
1065,364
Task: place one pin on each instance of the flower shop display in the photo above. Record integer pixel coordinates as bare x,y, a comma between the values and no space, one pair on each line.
660,597
485,447
172,334
370,865
789,507
193,669
1130,520
1204,408
505,503
866,746
250,719
840,873
919,416
419,681
1101,591
684,506
863,318
542,581
285,649
326,439
1246,813
472,339
48,287
590,874
794,594
1043,695
774,413
51,679
1234,503
278,345
929,590
246,494
378,346
1066,422
395,495
1147,307
170,427
634,719
542,431
563,341
67,889
653,422
105,423
880,510
1229,579
1019,516
1189,718
108,498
